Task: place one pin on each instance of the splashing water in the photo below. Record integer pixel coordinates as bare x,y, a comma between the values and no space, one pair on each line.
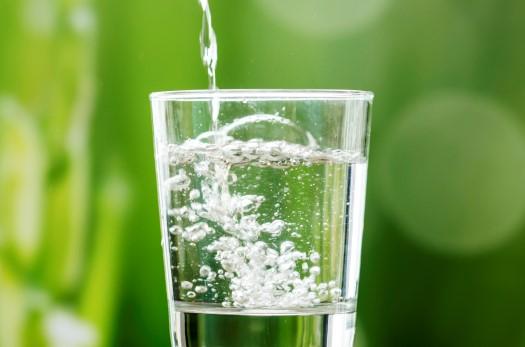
247,258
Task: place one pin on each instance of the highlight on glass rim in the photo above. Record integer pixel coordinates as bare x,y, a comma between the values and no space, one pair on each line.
205,173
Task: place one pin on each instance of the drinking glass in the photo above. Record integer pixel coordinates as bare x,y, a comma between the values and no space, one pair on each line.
261,196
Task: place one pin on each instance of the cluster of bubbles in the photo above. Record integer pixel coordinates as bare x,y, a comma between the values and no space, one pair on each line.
258,274
265,277
234,213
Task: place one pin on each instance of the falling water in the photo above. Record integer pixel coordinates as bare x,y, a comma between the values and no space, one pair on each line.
208,42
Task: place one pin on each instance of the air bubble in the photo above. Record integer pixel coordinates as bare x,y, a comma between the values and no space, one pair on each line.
195,194
323,294
197,232
315,270
186,285
175,230
202,168
315,257
274,227
201,289
191,294
287,246
205,271
335,293
179,182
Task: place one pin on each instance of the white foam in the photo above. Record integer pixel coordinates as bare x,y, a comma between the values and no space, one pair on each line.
255,152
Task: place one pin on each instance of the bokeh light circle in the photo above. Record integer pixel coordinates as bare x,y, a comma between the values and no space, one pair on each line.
324,18
453,173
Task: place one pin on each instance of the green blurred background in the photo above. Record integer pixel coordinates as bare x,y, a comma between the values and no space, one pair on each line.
444,248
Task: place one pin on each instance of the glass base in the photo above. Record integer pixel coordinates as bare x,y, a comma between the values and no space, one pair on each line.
216,330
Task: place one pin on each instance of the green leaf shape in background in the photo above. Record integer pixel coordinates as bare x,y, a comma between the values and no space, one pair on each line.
22,160
99,297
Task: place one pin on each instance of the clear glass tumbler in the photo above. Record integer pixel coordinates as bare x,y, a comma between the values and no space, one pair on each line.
261,197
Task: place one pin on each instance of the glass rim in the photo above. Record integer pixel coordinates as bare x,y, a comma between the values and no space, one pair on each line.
262,94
